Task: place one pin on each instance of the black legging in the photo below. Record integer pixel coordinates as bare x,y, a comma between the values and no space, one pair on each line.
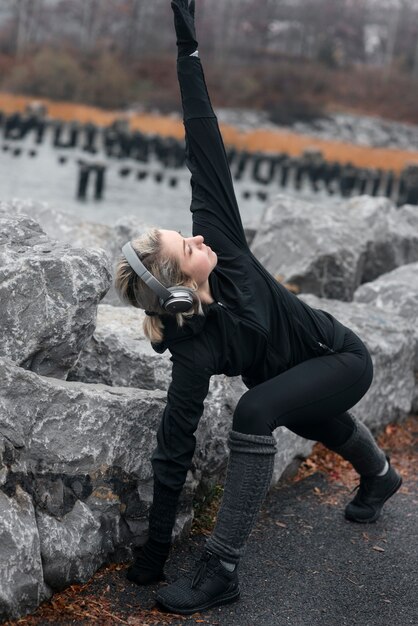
312,398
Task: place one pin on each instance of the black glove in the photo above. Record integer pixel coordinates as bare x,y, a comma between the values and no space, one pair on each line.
184,25
149,565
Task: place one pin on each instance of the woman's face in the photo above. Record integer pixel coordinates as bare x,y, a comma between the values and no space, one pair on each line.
196,259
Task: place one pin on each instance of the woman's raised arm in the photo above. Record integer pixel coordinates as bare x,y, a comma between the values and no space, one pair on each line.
214,207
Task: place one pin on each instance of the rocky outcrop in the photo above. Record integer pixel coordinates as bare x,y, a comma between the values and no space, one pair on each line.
389,338
22,585
65,228
52,291
329,250
77,432
361,130
397,293
347,127
81,454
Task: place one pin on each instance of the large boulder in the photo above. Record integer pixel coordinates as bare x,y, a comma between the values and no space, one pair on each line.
22,585
81,233
397,293
119,353
75,467
52,291
330,249
389,339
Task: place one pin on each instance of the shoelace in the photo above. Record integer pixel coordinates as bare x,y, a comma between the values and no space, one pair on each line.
362,486
201,570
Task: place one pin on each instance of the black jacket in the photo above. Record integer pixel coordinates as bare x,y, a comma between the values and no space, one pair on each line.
256,328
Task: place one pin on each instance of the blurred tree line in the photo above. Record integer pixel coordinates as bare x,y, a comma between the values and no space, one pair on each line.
271,53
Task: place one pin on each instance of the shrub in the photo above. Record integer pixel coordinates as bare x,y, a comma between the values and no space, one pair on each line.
50,73
106,83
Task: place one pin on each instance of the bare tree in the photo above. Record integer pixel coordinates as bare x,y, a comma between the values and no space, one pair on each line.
331,31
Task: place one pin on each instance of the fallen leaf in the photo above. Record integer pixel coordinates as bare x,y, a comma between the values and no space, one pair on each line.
378,549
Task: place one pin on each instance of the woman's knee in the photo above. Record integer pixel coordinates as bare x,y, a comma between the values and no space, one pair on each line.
249,418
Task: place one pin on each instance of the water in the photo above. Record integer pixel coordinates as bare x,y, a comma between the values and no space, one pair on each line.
45,179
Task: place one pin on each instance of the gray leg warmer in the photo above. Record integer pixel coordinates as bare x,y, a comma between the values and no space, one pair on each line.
248,479
362,451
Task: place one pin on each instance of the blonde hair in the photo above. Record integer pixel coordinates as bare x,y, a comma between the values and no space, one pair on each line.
134,291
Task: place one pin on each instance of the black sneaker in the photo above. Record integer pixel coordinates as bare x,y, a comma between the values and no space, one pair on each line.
211,584
141,575
148,567
373,491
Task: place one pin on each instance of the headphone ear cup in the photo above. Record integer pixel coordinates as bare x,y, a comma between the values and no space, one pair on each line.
180,301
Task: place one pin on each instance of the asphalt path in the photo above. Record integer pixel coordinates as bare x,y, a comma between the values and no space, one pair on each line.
305,565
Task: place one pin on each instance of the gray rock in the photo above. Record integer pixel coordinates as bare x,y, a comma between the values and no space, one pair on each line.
70,546
60,225
389,339
78,444
362,130
391,242
73,428
22,585
397,293
329,250
52,292
351,128
82,452
81,234
120,355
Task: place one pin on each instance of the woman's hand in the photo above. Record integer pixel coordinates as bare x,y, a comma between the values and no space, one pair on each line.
185,27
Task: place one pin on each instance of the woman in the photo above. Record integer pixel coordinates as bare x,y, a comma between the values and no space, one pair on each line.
226,314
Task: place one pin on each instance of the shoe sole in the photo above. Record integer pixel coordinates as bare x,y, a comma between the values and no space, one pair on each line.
376,516
225,599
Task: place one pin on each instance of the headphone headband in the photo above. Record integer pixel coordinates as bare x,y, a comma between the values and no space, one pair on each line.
140,269
173,299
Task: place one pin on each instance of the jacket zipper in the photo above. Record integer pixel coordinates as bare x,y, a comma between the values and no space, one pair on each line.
324,347
321,345
260,329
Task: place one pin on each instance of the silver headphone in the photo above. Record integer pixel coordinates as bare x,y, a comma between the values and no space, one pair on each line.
172,299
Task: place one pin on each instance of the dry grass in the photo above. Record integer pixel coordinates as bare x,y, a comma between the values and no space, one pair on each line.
400,440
